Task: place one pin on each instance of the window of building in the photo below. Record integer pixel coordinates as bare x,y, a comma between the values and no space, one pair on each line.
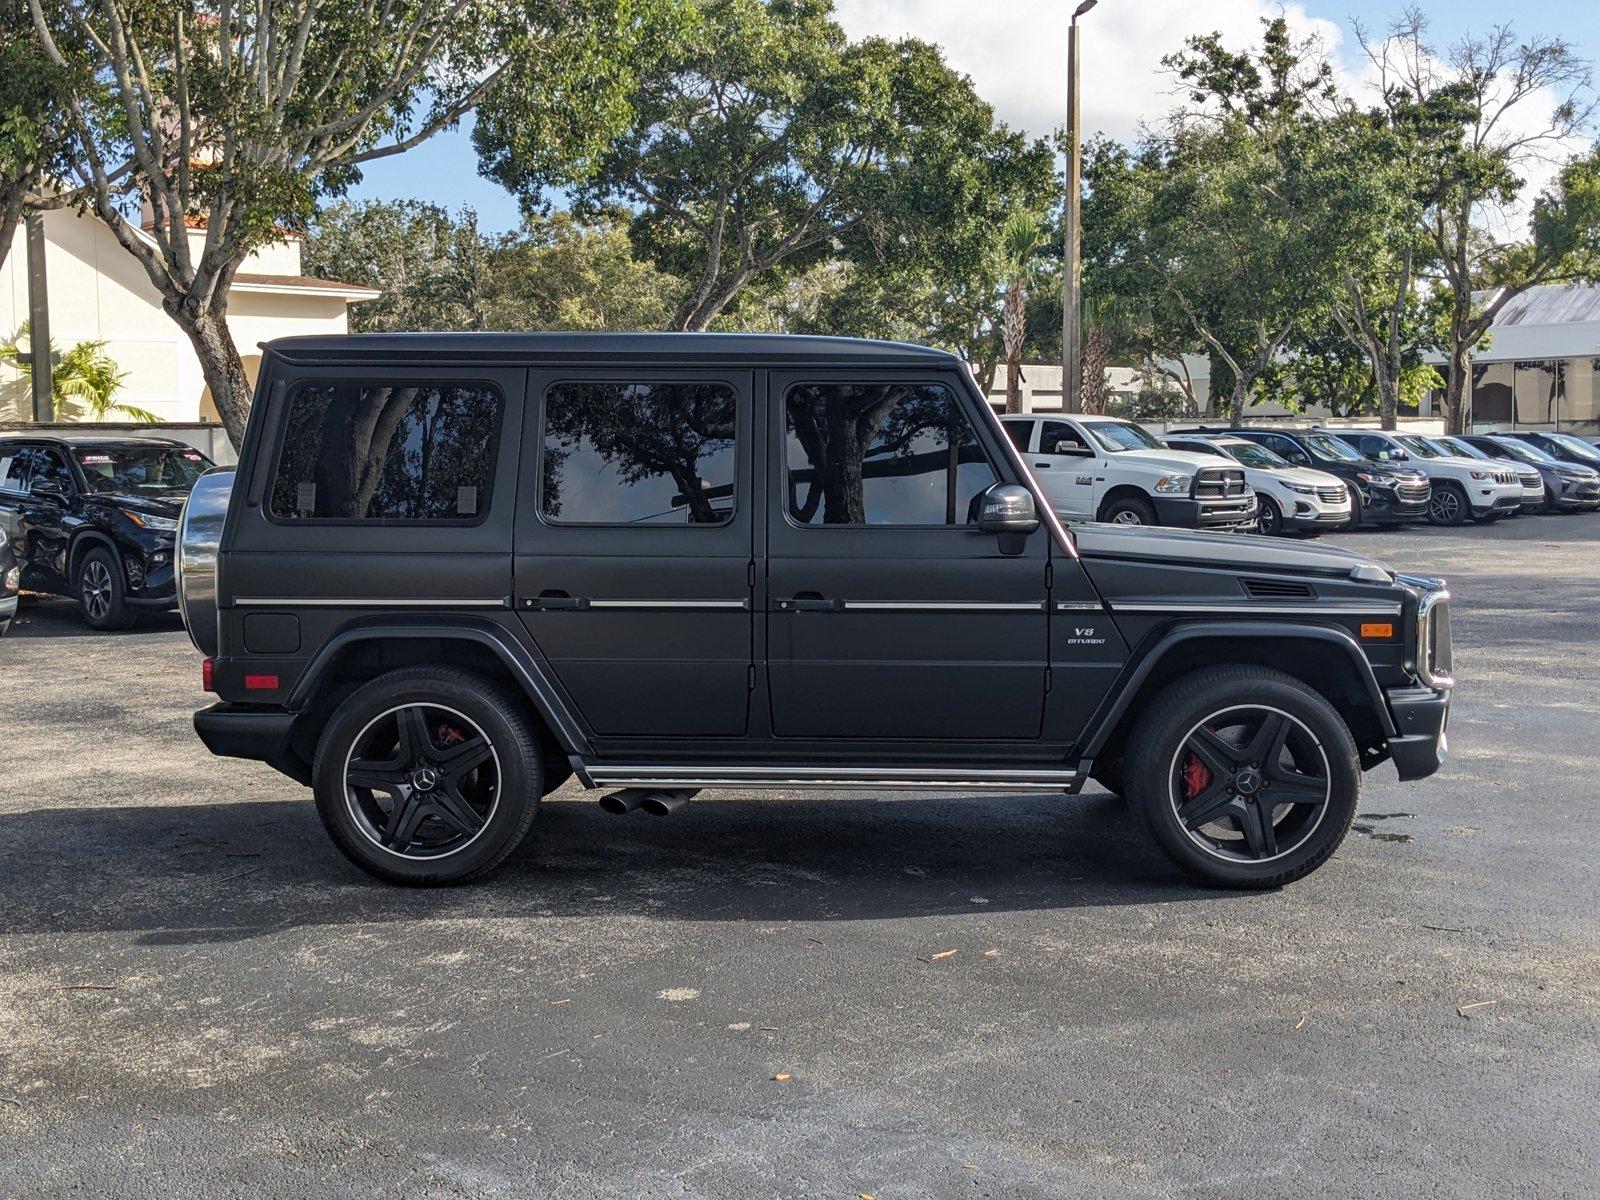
1538,393
1580,401
387,451
635,453
881,454
1492,391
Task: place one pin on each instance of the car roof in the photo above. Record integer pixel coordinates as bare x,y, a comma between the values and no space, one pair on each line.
67,438
769,348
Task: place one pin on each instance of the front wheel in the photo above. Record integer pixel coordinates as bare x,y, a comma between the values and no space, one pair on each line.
1130,510
1448,505
1247,777
428,776
102,593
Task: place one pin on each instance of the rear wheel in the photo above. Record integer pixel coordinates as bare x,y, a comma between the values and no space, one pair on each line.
1129,510
428,776
102,592
1246,776
1448,505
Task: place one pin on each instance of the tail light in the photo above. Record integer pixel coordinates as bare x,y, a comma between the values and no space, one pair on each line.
208,672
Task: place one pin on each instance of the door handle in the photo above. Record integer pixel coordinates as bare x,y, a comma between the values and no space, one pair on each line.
1043,466
555,602
811,602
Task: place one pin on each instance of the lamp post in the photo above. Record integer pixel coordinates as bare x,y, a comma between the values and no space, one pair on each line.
1072,272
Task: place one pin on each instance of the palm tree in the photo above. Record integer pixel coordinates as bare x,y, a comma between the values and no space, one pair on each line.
85,376
1021,241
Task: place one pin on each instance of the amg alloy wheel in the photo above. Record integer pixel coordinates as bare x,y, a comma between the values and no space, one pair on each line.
428,776
1247,777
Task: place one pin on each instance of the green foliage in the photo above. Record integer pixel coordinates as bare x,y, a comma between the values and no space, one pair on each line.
760,143
84,377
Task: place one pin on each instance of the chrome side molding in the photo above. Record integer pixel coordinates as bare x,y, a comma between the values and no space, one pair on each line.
1006,779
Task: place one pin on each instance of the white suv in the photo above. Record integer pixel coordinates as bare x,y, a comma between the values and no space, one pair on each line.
1288,498
1108,469
1462,487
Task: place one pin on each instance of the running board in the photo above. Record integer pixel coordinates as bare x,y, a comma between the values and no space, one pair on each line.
1008,779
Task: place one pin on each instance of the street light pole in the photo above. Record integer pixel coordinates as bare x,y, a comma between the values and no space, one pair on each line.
1071,266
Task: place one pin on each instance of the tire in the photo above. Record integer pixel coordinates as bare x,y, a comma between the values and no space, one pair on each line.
1129,510
1354,524
102,591
462,778
1269,520
1550,504
1448,505
1217,708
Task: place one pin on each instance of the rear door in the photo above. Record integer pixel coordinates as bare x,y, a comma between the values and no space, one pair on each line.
633,569
891,616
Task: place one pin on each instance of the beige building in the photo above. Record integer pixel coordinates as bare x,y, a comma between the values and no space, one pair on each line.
99,292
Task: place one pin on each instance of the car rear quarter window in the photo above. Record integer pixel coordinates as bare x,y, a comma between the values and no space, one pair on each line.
881,454
639,453
14,469
387,451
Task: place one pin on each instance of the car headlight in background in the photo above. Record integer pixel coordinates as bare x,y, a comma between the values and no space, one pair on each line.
1481,475
13,580
1383,481
1302,488
152,522
1174,485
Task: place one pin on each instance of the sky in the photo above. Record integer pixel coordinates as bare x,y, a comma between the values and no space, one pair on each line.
1015,52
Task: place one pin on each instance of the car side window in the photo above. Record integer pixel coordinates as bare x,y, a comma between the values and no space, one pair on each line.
1057,437
639,453
49,467
881,454
1375,448
1019,432
387,450
14,463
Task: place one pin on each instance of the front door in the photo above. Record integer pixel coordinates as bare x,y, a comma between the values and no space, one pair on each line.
1065,465
634,568
890,615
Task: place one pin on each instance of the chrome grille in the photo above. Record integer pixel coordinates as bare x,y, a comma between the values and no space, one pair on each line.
1218,482
1414,492
1332,495
1530,479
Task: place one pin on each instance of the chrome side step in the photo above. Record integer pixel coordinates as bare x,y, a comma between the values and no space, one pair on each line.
1008,779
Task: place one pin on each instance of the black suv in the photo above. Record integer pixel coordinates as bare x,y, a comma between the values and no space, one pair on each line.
1381,494
94,517
452,570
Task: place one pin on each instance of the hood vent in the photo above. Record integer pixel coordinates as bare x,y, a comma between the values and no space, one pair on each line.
1278,589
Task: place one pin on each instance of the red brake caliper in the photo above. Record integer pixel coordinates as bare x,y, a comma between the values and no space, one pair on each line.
1196,777
449,735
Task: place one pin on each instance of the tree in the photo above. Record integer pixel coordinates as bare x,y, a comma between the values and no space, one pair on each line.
84,375
759,143
33,131
1021,239
233,120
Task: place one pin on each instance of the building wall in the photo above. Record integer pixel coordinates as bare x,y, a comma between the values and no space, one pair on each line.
98,291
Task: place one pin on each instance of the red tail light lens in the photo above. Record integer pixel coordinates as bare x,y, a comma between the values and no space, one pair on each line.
208,672
261,683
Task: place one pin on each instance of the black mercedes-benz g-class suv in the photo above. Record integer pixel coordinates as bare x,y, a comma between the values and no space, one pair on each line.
452,570
94,517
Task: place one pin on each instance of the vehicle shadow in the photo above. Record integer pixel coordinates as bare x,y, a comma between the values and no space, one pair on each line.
53,617
181,874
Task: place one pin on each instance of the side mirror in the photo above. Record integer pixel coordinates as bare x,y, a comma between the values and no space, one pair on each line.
1299,458
1072,450
48,489
1007,509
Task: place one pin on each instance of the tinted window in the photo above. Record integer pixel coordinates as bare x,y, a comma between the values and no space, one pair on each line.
14,468
50,467
386,452
141,468
638,454
1059,438
1018,432
881,454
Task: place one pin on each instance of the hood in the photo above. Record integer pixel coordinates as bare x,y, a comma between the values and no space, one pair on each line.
1185,461
1305,476
1576,471
1250,551
156,505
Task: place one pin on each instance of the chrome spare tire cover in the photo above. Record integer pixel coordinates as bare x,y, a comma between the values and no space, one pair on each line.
199,537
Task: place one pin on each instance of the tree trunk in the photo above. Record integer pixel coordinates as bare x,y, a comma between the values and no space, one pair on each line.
1455,392
220,365
1013,332
1093,367
1236,405
1388,400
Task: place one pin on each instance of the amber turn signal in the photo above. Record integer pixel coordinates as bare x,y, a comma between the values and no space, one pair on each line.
1378,629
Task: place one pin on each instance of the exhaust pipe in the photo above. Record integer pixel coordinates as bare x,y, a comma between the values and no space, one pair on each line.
624,802
665,803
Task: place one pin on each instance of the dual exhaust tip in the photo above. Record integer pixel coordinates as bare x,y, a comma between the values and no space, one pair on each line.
658,802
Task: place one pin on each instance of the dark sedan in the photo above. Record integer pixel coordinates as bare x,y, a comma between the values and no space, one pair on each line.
93,517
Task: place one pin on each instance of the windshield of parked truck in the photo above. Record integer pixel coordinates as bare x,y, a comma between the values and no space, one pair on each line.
1457,448
135,469
1327,447
1584,450
1117,436
1252,455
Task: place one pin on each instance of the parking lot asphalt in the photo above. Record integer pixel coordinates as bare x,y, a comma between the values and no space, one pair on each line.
757,996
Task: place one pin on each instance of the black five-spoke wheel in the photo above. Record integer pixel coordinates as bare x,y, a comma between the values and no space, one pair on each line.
422,781
1249,783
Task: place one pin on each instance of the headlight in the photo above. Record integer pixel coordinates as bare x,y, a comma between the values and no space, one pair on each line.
152,522
1481,475
1301,488
1385,481
14,579
1174,485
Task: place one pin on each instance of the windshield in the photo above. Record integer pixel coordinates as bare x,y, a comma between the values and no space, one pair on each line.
134,469
1252,455
1577,445
1122,435
1422,447
1327,447
1523,451
1458,449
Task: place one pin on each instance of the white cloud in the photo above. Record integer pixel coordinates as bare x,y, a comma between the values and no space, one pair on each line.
1016,50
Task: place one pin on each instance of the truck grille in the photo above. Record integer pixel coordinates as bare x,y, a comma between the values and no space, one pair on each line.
1215,483
1505,477
1414,492
1332,495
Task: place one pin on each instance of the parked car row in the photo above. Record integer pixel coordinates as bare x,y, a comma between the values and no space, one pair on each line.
1296,480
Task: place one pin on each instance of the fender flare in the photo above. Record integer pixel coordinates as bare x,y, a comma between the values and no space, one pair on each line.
1145,661
534,681
79,546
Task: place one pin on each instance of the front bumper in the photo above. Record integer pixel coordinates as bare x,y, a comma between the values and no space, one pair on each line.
1488,503
1420,716
1384,504
1316,517
1577,494
260,734
1226,515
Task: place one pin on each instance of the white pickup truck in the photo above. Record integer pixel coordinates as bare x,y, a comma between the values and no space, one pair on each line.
1462,487
1108,469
